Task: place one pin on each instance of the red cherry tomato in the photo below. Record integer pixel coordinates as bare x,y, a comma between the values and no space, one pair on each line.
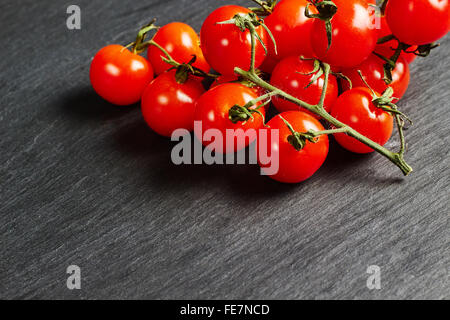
168,105
389,47
226,46
291,29
119,76
356,109
294,166
418,22
213,112
181,42
289,76
373,72
354,36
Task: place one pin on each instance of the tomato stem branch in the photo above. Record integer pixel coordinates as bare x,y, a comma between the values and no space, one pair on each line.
298,140
396,158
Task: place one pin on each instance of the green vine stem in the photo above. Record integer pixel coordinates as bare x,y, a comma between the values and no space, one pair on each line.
395,157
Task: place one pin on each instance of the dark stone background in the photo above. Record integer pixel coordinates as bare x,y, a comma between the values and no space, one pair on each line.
86,183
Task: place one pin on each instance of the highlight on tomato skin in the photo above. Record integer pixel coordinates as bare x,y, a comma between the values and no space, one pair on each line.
373,73
168,105
120,76
356,109
293,166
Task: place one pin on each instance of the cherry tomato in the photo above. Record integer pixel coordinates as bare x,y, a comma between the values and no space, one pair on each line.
291,29
168,105
373,72
354,37
290,76
226,46
418,22
119,76
294,166
181,42
393,44
356,109
213,112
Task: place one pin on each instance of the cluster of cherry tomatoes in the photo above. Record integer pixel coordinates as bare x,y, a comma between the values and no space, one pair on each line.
290,35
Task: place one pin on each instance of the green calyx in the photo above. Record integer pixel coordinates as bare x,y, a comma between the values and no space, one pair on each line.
318,71
243,113
424,50
385,102
298,139
265,7
184,70
239,113
327,10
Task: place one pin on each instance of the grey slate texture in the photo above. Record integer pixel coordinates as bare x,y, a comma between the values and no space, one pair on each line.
86,183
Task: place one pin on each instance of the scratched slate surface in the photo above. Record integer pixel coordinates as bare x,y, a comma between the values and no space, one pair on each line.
86,183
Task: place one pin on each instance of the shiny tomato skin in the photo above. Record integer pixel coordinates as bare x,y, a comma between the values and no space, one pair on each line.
291,29
294,166
213,112
168,105
418,22
226,46
355,108
289,76
181,42
389,47
119,76
373,72
354,36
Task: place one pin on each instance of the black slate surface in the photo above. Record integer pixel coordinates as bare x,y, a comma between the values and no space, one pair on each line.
86,183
